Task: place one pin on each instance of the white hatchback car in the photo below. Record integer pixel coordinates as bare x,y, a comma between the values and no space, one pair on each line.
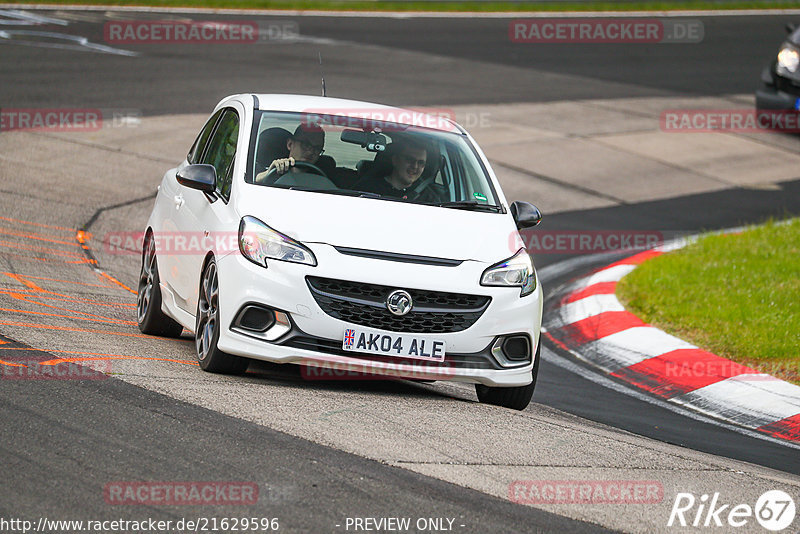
378,242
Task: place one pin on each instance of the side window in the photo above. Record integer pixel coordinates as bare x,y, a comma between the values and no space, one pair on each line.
197,148
222,150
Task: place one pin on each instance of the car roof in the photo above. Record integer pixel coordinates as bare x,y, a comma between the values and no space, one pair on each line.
434,118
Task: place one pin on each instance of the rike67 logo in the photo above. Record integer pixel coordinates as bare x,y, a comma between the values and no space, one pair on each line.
774,510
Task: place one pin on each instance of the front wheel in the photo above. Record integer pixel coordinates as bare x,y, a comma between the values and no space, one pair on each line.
516,398
207,327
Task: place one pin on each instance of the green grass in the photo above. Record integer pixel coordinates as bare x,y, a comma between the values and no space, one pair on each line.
737,296
448,5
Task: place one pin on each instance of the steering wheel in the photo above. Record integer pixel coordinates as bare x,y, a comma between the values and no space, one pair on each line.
420,186
299,164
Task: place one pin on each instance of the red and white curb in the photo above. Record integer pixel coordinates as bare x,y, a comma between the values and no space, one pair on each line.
590,323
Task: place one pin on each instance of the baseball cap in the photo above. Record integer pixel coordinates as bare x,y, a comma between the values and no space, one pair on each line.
310,133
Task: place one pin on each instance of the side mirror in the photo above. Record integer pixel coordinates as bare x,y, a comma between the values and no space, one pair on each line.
525,214
791,27
200,176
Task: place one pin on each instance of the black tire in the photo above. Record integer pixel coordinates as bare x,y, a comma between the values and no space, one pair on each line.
151,319
516,398
207,327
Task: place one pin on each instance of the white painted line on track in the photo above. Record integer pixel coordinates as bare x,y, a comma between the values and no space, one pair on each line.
71,42
15,17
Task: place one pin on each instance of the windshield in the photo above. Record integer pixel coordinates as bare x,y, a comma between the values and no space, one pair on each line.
364,157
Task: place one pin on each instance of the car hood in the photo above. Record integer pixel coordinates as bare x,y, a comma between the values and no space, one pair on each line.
382,225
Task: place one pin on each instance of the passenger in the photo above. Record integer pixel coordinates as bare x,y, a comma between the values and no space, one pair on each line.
306,145
408,163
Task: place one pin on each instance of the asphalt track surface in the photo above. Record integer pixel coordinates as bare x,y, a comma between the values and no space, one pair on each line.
141,441
437,61
126,433
186,78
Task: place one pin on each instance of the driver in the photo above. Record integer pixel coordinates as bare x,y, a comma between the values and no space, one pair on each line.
408,163
306,145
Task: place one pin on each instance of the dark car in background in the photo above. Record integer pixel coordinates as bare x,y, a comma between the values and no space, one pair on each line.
780,80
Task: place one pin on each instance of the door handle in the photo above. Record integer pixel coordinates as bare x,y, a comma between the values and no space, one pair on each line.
178,199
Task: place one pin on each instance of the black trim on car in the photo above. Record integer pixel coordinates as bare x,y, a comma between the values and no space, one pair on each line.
393,256
198,156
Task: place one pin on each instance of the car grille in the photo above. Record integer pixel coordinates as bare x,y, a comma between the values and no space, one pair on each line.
365,305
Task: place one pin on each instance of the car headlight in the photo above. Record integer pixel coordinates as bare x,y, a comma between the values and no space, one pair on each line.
788,58
517,271
258,242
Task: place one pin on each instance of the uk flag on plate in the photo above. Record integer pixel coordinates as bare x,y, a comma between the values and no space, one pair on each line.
349,338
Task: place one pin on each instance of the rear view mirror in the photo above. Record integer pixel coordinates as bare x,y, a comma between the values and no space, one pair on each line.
200,176
525,214
373,141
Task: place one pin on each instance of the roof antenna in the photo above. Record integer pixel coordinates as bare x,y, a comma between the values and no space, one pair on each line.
322,73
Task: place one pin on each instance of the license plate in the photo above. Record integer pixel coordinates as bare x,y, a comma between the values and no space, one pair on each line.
421,347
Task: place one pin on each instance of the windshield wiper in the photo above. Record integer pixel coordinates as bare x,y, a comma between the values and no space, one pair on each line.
472,205
344,192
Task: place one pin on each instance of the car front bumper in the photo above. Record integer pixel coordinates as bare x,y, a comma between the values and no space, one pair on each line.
314,338
771,98
776,92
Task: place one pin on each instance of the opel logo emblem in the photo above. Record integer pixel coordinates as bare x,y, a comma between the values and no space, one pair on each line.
399,302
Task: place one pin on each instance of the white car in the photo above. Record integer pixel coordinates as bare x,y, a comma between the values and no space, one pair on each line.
394,253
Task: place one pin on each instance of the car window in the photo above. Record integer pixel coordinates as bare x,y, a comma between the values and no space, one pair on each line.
351,162
222,150
200,142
